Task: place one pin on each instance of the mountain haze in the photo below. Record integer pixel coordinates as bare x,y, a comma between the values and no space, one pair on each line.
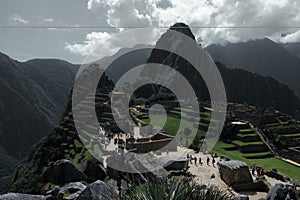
264,57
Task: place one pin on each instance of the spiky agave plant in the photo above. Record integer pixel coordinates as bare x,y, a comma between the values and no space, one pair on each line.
176,189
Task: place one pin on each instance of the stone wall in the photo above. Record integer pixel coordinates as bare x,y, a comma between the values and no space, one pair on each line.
154,145
252,148
294,154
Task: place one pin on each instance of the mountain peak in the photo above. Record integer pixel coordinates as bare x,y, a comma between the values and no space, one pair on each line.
183,28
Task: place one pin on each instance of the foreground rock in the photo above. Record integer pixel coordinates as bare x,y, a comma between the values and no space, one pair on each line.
237,175
16,196
63,171
98,191
71,188
280,191
234,172
93,169
276,175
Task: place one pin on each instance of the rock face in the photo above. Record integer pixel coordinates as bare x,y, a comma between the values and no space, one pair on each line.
34,97
234,172
98,191
93,169
237,175
260,89
225,158
257,185
244,55
63,171
71,188
280,191
15,196
174,163
276,175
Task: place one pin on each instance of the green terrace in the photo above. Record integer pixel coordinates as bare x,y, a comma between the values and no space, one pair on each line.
294,135
264,159
291,130
243,144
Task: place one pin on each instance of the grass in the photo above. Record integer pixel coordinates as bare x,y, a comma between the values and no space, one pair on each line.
247,135
291,135
77,144
283,167
240,143
246,131
172,125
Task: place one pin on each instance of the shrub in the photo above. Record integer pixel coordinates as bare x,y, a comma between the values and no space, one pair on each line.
176,189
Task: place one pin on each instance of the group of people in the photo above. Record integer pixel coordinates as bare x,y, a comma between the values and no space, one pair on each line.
259,170
191,159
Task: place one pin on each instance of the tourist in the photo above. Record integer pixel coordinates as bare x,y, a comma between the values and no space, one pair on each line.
207,160
262,172
213,162
195,160
258,170
167,152
200,161
252,168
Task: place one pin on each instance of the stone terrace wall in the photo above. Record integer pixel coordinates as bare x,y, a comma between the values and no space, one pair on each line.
294,154
145,147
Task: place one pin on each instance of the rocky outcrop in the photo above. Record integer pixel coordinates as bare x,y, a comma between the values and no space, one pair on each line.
225,158
237,175
280,191
93,169
63,171
15,196
98,191
174,163
71,188
234,172
34,97
257,185
241,86
276,175
71,191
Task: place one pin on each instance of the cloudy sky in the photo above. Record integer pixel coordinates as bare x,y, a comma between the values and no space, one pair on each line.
71,29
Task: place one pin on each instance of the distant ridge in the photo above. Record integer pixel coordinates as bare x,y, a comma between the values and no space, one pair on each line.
261,56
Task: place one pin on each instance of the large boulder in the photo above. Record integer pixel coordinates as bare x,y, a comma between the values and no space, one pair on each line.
93,169
16,196
276,175
63,171
98,191
257,185
234,172
174,163
282,192
72,189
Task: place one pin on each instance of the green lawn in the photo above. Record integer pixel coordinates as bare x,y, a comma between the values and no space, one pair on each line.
246,131
283,167
240,143
247,135
291,135
171,127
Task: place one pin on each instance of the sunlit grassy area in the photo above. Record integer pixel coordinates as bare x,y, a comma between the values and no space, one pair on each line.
172,124
283,167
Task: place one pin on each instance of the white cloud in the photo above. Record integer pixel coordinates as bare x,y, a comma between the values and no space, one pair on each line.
48,20
100,44
92,40
271,18
17,19
292,37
